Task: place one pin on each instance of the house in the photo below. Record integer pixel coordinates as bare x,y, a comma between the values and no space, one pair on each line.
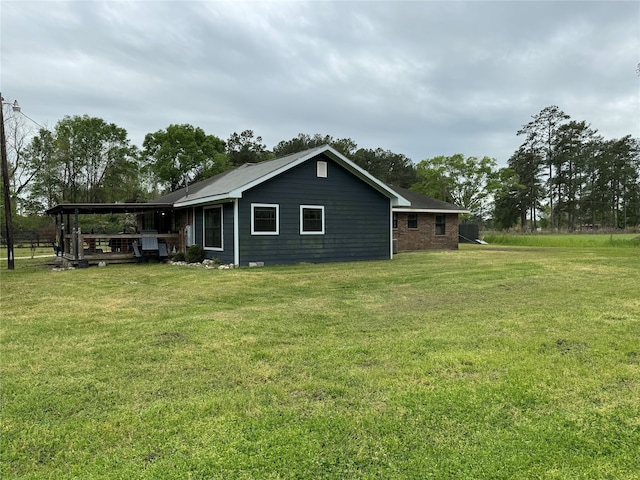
312,206
425,224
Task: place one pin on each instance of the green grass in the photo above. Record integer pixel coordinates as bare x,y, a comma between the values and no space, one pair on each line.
26,252
487,362
565,240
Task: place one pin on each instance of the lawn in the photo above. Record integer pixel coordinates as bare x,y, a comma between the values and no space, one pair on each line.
488,362
565,240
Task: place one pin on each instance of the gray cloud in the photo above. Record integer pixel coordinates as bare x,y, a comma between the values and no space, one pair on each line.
419,78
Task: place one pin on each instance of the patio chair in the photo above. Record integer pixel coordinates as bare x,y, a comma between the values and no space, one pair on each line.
137,253
149,244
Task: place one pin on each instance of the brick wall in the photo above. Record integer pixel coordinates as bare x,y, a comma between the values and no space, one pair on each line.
424,237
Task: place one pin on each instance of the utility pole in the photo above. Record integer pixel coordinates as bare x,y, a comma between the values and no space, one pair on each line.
6,184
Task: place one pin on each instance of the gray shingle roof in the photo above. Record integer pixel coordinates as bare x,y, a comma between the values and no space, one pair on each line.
232,183
426,204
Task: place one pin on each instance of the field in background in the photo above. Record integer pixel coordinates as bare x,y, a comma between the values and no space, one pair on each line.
565,240
487,362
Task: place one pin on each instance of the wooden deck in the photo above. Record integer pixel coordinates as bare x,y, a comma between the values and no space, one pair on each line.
82,250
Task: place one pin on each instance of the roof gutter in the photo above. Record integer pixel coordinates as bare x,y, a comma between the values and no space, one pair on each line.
202,200
429,210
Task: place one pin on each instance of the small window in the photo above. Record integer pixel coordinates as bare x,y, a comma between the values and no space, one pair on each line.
440,225
213,228
264,219
395,220
412,220
311,220
321,169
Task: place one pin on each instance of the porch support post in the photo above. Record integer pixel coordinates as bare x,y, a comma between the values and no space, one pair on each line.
236,234
77,235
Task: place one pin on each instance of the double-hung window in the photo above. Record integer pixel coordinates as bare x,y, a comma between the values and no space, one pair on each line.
265,219
412,220
213,228
311,220
440,225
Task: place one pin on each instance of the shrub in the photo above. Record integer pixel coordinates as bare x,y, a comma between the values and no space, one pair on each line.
179,257
194,254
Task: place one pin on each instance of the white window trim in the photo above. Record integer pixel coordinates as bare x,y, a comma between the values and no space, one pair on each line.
322,169
314,207
268,205
204,224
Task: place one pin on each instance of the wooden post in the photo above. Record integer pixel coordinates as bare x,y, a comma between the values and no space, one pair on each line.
7,193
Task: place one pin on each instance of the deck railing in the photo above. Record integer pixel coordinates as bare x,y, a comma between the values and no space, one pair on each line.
78,246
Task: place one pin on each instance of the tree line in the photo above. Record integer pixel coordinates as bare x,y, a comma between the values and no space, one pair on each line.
563,176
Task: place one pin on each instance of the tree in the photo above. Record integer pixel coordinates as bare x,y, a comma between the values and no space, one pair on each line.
303,141
574,145
84,159
22,166
244,148
527,164
466,182
509,205
391,168
540,138
42,169
611,194
182,154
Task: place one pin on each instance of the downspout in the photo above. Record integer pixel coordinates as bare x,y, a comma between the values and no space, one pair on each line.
391,230
236,234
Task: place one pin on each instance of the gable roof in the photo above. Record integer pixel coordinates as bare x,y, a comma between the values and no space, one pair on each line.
233,183
424,204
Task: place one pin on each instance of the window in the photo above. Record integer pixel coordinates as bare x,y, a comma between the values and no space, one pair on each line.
440,225
264,219
412,220
213,228
149,221
395,220
311,220
321,170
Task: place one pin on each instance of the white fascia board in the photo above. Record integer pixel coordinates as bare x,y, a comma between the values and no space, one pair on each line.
396,198
201,200
428,210
400,201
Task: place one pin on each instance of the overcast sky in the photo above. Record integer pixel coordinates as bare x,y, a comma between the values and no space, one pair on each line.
422,78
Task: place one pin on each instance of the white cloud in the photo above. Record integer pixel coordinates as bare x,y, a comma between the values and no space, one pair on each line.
419,78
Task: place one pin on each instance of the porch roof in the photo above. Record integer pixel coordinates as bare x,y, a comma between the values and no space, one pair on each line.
88,208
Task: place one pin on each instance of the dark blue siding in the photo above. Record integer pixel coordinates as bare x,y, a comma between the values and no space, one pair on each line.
357,218
226,255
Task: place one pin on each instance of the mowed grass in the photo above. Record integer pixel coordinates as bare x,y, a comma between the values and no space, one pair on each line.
487,362
565,240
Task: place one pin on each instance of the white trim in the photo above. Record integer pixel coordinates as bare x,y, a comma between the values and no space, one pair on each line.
200,201
428,210
236,233
331,153
322,169
311,207
265,205
204,226
391,212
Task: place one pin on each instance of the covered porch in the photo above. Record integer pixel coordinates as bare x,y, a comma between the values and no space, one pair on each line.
154,234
